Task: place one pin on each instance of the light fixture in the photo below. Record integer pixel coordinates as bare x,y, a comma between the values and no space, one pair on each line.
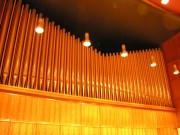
39,29
124,52
153,62
86,42
176,71
164,2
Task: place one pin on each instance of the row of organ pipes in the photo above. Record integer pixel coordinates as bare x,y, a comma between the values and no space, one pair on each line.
56,61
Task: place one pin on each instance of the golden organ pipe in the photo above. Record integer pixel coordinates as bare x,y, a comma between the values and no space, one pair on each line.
43,55
18,50
37,76
35,55
55,61
52,81
65,62
96,75
79,70
59,61
67,79
87,71
108,76
32,49
50,57
5,23
2,8
10,80
70,65
105,77
145,76
20,78
62,61
82,70
119,78
101,76
27,50
75,65
10,42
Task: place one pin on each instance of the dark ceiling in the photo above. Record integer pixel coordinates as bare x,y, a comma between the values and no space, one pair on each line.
111,22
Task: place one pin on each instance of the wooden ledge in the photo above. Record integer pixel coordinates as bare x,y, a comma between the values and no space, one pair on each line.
58,96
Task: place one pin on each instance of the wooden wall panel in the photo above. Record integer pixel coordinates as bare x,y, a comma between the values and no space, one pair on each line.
171,52
27,111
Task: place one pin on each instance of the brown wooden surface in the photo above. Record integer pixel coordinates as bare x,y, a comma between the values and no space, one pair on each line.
171,52
41,94
27,111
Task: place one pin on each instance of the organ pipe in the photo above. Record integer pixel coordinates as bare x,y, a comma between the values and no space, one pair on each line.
56,61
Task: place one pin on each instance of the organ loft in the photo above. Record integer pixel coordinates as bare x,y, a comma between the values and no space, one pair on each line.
50,84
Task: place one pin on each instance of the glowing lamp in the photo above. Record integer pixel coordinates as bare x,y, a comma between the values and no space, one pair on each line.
124,52
86,42
153,62
164,2
39,29
176,71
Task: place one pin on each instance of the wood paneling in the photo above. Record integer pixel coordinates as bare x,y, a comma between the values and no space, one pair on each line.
27,111
171,52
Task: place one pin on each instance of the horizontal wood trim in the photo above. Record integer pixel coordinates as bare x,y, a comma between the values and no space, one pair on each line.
57,96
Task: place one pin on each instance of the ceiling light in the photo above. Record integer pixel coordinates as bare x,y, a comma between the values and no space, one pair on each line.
153,62
86,42
164,2
39,29
124,52
176,71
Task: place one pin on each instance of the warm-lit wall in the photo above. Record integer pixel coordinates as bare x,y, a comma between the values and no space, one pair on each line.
171,51
65,73
55,61
26,111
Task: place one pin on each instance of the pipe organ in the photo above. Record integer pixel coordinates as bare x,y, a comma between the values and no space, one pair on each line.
62,69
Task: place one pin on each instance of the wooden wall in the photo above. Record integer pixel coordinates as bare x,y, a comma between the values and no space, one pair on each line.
30,112
56,61
171,51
